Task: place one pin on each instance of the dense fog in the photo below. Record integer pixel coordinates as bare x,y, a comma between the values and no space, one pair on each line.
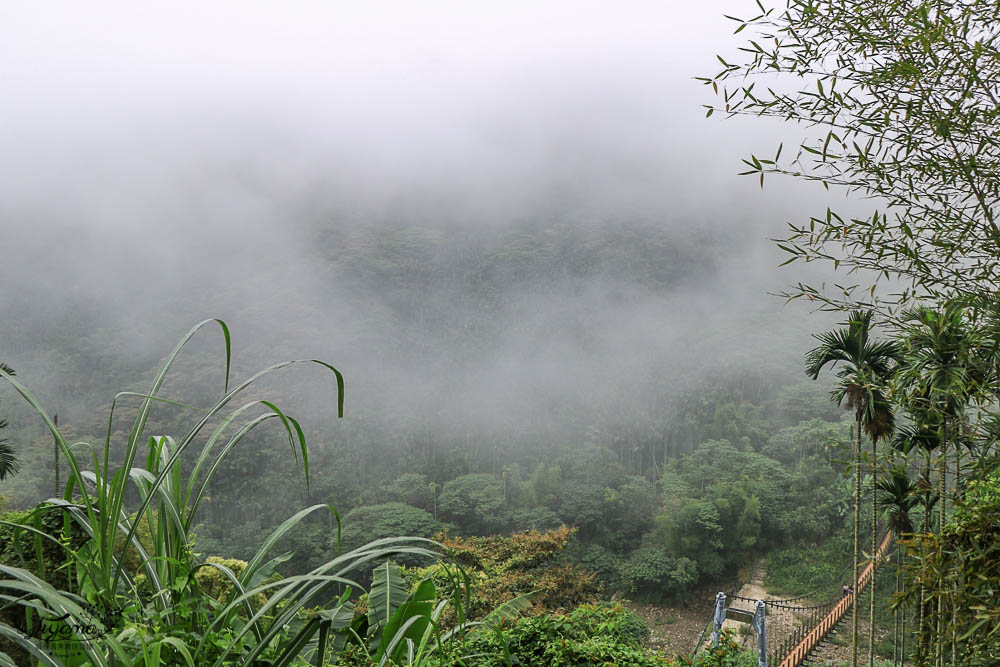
577,424
508,219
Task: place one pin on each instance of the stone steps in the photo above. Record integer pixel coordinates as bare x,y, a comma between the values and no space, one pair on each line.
758,574
827,652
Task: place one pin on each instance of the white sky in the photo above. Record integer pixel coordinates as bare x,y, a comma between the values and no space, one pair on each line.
132,123
460,85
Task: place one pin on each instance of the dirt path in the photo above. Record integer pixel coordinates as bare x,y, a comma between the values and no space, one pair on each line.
674,629
752,591
781,623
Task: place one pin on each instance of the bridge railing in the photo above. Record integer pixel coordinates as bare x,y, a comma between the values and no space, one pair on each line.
805,640
820,619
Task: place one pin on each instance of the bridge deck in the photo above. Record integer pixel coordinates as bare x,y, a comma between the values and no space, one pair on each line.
814,636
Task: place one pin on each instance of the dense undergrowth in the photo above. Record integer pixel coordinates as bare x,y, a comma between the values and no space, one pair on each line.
817,569
107,572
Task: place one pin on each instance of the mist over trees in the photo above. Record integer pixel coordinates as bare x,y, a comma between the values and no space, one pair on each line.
566,380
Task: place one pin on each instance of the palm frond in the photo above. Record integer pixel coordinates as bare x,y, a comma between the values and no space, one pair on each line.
9,465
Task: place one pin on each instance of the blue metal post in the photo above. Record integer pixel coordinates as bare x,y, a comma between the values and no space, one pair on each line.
760,625
720,616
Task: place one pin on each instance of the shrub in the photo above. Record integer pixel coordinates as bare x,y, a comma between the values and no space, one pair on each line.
503,568
588,635
168,619
213,582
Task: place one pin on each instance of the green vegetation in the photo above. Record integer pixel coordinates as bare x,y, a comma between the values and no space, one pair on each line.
83,589
111,607
809,569
905,98
590,635
959,567
9,465
461,539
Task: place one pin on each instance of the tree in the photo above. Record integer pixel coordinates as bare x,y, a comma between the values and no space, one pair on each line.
410,488
652,573
9,464
373,522
900,495
943,370
867,366
947,366
692,529
902,100
815,437
475,503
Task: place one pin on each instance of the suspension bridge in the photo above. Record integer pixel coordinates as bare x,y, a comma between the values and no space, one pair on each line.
811,625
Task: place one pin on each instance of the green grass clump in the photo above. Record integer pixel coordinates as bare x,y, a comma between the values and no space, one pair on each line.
820,570
126,587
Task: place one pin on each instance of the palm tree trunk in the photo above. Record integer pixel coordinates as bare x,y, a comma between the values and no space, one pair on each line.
895,554
871,611
902,615
958,469
895,619
857,544
954,623
898,619
921,631
942,490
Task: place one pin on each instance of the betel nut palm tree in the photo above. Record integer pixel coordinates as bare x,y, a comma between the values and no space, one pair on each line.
947,364
866,367
899,495
9,464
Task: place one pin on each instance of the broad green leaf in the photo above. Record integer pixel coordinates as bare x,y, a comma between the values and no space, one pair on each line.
418,606
387,593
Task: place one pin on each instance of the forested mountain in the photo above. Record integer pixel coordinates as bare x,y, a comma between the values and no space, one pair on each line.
498,379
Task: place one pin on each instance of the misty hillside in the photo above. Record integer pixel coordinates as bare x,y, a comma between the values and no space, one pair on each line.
495,334
525,376
530,325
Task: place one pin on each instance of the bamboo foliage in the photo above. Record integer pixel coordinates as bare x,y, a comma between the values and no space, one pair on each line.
899,100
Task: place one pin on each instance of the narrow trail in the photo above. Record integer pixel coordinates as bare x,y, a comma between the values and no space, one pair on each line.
754,590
